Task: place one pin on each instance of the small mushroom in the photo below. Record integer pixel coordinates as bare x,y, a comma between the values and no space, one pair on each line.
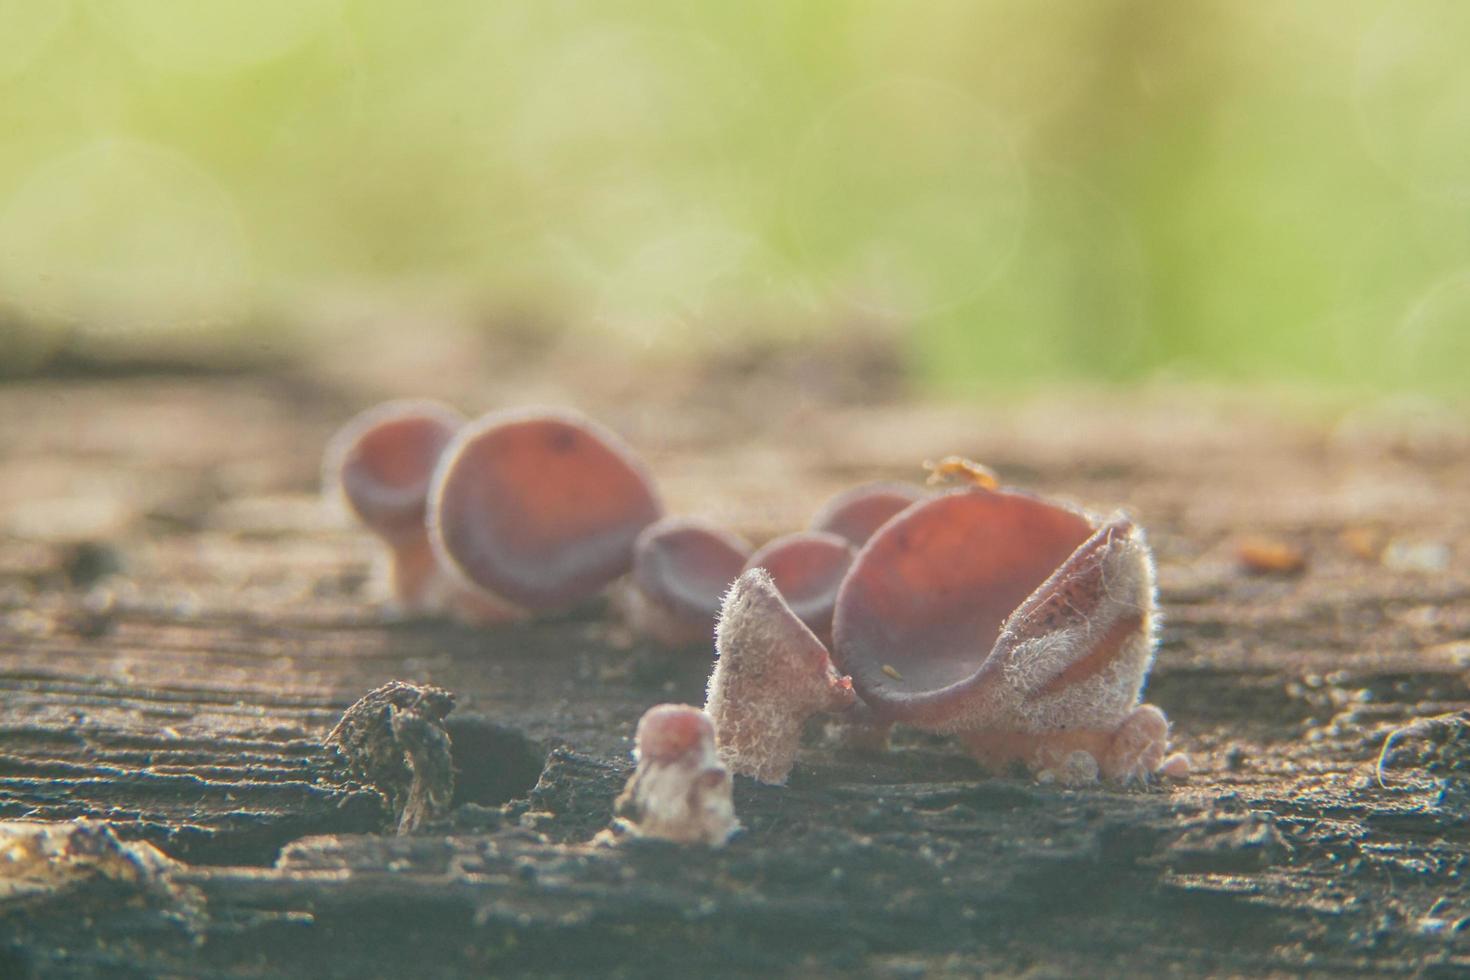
859,511
380,463
1025,627
771,675
807,567
680,791
682,568
539,509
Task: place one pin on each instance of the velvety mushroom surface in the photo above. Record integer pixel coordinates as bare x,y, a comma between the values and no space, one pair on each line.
771,674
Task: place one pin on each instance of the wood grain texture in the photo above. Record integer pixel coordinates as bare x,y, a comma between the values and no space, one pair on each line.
181,623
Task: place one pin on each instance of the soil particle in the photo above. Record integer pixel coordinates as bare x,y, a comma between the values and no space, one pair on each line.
394,740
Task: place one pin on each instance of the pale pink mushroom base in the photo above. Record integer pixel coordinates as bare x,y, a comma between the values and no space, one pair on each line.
771,675
420,585
415,577
680,791
1131,752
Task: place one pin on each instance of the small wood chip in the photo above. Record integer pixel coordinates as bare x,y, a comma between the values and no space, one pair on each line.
1270,556
1362,542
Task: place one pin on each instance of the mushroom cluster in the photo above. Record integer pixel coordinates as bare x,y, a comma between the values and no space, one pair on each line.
683,568
518,513
1022,626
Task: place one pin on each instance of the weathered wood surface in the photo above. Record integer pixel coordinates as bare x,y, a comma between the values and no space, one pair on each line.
181,624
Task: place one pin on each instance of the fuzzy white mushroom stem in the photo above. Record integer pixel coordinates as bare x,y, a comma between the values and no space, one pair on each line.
772,674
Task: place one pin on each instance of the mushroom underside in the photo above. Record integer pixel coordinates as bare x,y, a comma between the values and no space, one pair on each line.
687,567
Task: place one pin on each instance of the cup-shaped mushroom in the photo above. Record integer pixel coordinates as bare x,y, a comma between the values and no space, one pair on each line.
857,512
682,568
808,568
539,508
381,464
998,615
771,675
383,460
680,791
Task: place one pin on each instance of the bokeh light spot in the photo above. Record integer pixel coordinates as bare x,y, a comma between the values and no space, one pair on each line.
909,195
1413,95
213,37
124,235
1433,339
26,28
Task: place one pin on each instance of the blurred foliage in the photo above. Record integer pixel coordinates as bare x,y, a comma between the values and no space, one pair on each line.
1108,189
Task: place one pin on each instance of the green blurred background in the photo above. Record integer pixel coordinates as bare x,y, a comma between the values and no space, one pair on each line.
1272,192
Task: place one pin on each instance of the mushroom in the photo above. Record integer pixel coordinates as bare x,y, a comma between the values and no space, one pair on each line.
807,567
771,675
1022,626
538,508
680,791
682,568
381,463
857,512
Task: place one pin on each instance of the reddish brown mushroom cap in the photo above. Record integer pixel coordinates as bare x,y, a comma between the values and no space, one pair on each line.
686,565
383,461
857,512
923,606
539,508
808,568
